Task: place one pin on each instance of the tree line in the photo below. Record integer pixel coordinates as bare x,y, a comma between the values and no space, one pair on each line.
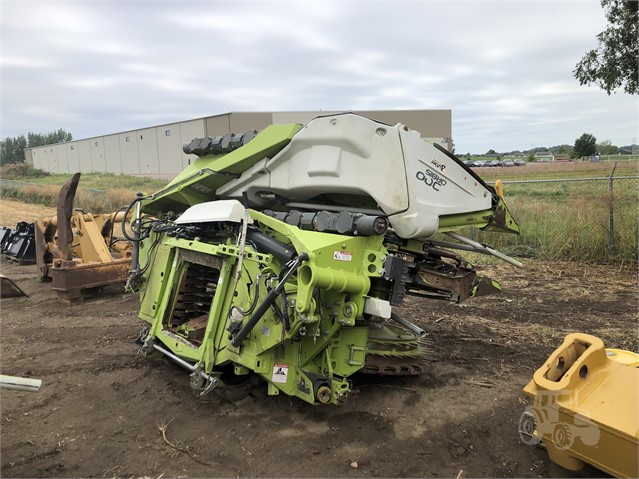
12,149
585,145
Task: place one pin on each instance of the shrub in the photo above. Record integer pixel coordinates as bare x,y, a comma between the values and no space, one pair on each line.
21,170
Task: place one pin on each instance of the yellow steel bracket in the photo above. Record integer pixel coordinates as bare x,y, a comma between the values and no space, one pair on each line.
584,402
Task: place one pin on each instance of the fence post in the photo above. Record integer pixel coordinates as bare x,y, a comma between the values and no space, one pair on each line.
612,210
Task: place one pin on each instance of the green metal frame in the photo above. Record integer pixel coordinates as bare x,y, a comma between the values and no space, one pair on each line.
323,346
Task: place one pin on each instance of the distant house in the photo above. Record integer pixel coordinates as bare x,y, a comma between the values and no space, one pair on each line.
561,157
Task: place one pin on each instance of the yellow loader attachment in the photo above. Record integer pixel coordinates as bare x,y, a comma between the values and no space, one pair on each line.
79,251
584,407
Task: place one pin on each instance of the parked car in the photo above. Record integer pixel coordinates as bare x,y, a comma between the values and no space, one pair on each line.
469,163
508,163
495,163
519,162
480,163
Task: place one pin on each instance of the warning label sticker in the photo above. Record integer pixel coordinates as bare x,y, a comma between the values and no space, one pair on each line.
280,373
342,256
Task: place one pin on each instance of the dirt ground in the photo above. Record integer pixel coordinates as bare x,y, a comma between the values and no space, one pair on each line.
102,409
11,212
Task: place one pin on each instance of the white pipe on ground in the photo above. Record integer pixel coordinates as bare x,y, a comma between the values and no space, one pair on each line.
20,384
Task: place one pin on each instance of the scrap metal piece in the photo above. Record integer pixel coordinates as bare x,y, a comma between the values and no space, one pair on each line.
8,289
584,407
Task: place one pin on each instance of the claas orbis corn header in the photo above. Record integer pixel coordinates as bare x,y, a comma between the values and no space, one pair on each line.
280,255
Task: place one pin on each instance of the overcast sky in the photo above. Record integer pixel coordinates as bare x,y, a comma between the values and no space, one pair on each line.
503,68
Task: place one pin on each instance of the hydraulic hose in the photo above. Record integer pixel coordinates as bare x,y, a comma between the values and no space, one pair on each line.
136,238
135,257
287,320
268,301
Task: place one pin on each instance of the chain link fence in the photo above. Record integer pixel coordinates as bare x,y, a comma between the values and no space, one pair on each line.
576,219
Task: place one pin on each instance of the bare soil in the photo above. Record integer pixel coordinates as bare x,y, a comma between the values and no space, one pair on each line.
11,212
102,409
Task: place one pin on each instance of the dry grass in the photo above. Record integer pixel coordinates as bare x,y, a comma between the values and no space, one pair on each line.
571,221
562,220
12,212
88,200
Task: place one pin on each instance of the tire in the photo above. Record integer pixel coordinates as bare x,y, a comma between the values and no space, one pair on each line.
234,387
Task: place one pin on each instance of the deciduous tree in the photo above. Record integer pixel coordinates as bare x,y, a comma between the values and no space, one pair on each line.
613,64
607,148
585,145
12,149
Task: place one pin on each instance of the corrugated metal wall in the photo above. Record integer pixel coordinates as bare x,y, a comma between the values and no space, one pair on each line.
112,154
157,151
148,155
84,155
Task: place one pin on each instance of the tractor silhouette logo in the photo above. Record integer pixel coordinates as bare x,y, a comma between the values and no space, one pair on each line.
543,420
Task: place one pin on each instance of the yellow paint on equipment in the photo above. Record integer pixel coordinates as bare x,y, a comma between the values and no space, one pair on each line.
624,357
499,188
584,400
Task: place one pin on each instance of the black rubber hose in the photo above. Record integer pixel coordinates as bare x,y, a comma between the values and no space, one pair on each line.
111,242
254,303
287,319
278,311
268,301
126,214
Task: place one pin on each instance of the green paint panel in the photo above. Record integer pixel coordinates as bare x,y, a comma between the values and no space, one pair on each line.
200,180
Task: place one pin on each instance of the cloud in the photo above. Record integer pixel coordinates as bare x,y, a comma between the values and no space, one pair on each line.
21,62
504,68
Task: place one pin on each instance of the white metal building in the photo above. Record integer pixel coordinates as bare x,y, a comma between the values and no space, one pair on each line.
157,151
